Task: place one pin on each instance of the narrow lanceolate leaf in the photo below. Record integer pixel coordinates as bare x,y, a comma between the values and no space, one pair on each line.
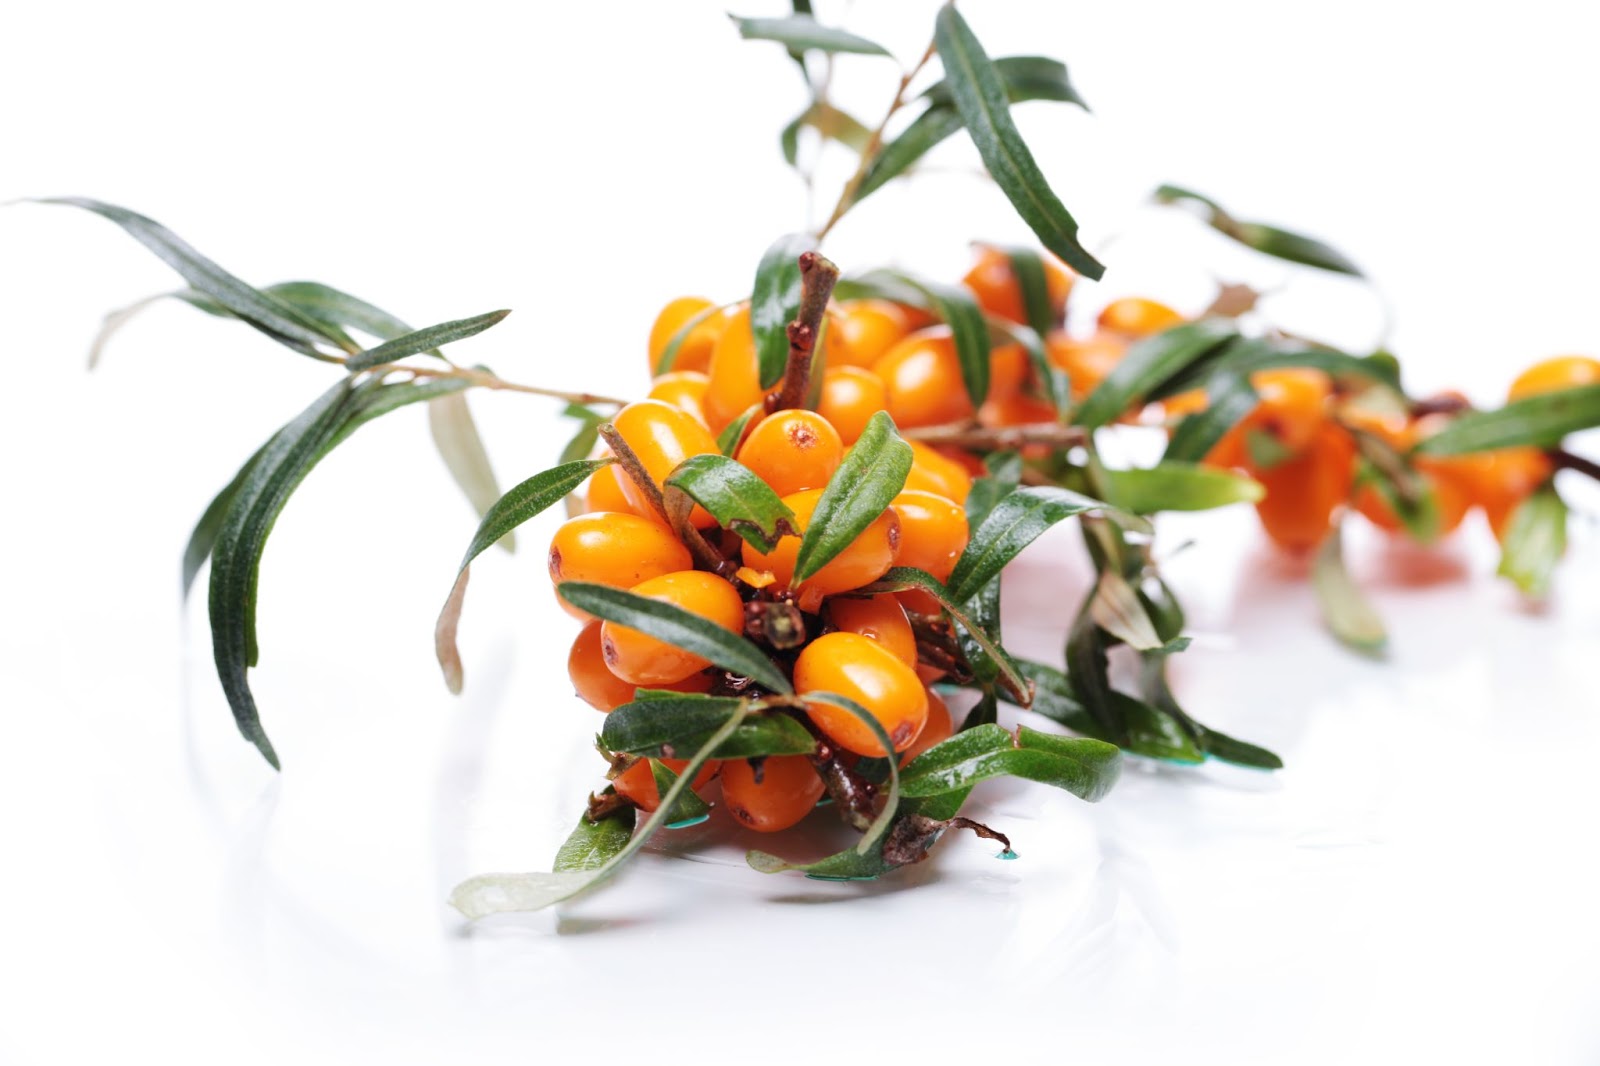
1218,745
455,435
496,893
1148,365
1088,672
1248,357
1086,768
1535,542
956,307
1149,731
804,33
1115,608
1014,523
775,301
1269,240
593,844
269,314
339,310
733,495
1229,398
729,439
873,472
1540,421
1028,269
980,97
1054,384
518,505
1174,486
1344,607
1025,78
664,725
688,808
423,340
678,627
204,536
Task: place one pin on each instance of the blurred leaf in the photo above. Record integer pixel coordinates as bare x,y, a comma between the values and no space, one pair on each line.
804,33
1229,398
664,724
1345,609
1535,542
1270,240
1028,269
1173,486
1148,365
830,124
775,301
980,96
872,474
738,499
593,844
423,340
1540,421
455,434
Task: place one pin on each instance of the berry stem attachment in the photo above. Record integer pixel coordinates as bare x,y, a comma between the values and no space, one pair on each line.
485,380
1565,460
999,438
817,278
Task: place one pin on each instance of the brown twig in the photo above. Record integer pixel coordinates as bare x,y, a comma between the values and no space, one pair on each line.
1565,460
817,278
972,435
484,379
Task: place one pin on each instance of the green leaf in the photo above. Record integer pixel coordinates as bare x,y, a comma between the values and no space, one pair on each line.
1016,521
980,97
1246,357
1345,609
1540,421
1025,78
873,838
593,844
1229,398
804,33
729,439
688,808
1216,744
1269,240
1535,541
830,123
337,310
204,536
664,724
488,894
736,497
682,629
518,505
1086,768
113,321
1005,474
1088,672
266,313
1149,731
1149,364
455,435
423,340
1028,269
1054,384
1174,486
1115,608
956,307
873,472
775,301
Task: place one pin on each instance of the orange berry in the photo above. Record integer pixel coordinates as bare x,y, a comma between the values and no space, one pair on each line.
862,670
922,378
637,783
850,397
644,660
938,730
661,436
605,494
1292,408
867,558
863,330
735,376
619,550
1175,408
1135,316
1087,362
695,351
788,790
932,471
879,618
1018,409
685,390
1304,492
1553,375
597,686
793,450
1450,503
933,531
1008,370
994,283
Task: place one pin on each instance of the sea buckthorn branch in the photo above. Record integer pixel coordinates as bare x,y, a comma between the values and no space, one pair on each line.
485,379
817,278
1565,460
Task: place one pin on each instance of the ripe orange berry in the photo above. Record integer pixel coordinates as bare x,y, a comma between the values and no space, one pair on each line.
644,660
862,670
1135,316
793,450
788,791
1450,503
867,558
879,618
619,550
864,330
850,397
597,686
1553,375
1304,492
695,352
922,378
938,730
1292,408
994,283
1499,481
661,436
1087,362
735,376
638,783
933,531
1175,408
933,471
605,494
685,390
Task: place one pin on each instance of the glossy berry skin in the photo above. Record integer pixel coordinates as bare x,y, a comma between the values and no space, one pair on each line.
1304,492
788,791
637,783
643,660
933,531
661,436
605,494
1137,317
994,284
861,669
619,550
850,397
938,729
735,377
683,389
932,471
1085,362
792,451
1553,375
597,686
695,351
879,618
922,378
863,330
866,559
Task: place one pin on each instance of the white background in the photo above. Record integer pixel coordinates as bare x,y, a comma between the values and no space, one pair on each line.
1416,886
